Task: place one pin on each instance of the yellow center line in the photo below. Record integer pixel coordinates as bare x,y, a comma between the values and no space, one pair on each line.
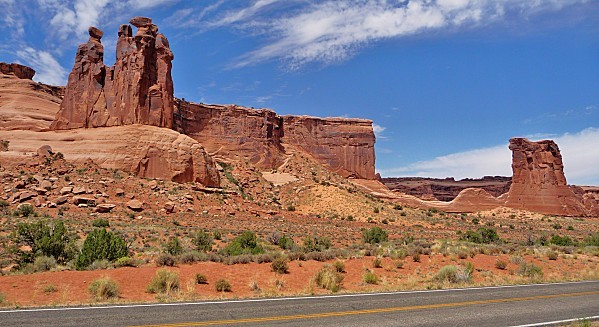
369,311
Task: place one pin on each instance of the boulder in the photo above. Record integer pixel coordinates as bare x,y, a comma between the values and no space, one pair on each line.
79,190
169,207
45,151
77,200
66,190
104,207
135,205
61,200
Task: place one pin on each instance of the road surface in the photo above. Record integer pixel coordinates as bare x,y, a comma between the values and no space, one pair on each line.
485,306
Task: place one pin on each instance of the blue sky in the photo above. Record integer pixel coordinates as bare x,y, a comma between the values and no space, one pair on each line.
446,82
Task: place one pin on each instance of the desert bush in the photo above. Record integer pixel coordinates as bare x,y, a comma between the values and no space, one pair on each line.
246,243
286,243
370,278
530,270
104,289
374,235
280,266
238,259
561,240
50,288
399,264
101,223
44,263
101,264
328,278
192,256
339,266
201,279
203,241
416,257
128,262
592,240
263,258
316,244
165,259
50,239
164,282
24,210
453,274
552,255
274,238
173,246
377,263
500,264
101,244
516,259
222,285
483,235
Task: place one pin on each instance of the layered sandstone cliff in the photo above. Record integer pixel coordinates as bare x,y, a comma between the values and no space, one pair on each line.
538,182
138,89
20,71
233,132
345,145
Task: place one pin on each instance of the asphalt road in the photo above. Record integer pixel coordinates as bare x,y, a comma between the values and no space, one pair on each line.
490,306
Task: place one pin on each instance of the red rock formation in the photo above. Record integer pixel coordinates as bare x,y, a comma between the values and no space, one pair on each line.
344,145
446,189
538,182
138,89
233,132
20,71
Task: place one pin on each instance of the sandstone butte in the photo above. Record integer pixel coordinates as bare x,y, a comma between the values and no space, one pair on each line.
104,108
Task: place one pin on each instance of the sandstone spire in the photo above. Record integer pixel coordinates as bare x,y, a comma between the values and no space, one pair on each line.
138,89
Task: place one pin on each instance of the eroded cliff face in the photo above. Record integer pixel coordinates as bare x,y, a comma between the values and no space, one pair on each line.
233,132
138,89
260,136
20,71
538,182
346,146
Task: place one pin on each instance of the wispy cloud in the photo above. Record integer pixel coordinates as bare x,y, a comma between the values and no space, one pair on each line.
12,18
331,31
579,151
378,131
47,68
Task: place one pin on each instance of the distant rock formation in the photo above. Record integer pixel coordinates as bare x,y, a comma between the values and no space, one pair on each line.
448,188
138,89
538,182
20,71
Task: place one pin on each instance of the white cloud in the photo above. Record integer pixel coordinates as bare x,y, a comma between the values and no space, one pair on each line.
146,4
332,31
579,151
47,68
378,131
12,18
75,18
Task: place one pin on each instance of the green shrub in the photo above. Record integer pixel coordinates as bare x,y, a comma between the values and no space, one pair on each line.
50,239
128,262
44,263
561,240
482,235
104,289
316,244
203,241
592,240
374,235
286,243
101,244
339,266
222,285
453,274
500,264
101,264
370,278
201,279
25,210
328,278
291,207
530,270
246,243
173,246
165,259
279,265
164,282
101,223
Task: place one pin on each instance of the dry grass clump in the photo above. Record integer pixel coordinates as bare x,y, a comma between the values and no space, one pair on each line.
164,282
328,278
104,289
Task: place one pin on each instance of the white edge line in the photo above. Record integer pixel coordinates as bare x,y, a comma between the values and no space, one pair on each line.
287,298
549,323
